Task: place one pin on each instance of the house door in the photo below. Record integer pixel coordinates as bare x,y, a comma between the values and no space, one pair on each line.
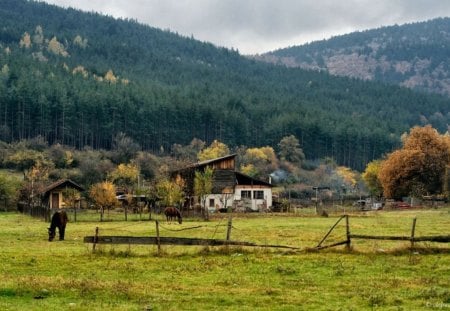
55,200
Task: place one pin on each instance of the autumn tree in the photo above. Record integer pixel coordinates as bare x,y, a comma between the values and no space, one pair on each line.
370,177
24,160
217,149
419,167
203,184
125,175
259,162
35,167
57,48
25,42
104,196
171,192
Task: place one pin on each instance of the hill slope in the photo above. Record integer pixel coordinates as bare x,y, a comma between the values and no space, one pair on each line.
413,55
80,78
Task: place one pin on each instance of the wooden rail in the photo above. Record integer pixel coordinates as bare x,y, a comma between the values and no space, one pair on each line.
159,240
434,238
412,238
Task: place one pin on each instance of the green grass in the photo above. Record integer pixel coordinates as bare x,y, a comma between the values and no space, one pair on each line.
375,275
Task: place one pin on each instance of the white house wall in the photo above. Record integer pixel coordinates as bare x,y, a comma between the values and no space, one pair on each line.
255,204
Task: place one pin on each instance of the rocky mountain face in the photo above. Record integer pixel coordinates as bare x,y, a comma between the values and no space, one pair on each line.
415,55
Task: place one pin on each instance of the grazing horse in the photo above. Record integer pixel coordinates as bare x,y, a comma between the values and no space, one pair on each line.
59,219
172,213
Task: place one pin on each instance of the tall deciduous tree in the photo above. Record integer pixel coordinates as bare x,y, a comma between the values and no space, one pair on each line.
104,195
203,184
170,191
370,177
419,167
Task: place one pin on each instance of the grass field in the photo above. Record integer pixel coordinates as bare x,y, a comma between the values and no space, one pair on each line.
375,275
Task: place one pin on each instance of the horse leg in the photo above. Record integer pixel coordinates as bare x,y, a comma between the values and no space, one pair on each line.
62,230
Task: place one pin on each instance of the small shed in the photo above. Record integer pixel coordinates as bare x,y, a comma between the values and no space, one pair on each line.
53,195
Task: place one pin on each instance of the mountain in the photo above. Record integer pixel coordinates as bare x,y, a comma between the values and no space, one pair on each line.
414,55
80,79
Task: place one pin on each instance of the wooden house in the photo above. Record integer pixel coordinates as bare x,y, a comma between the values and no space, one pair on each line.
53,195
230,188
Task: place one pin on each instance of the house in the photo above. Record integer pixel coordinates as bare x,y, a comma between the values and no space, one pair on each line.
230,188
53,195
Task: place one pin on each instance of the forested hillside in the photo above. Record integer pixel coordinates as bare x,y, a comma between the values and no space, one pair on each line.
413,55
81,78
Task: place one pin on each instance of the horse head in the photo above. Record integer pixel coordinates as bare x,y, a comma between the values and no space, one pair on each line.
51,234
180,219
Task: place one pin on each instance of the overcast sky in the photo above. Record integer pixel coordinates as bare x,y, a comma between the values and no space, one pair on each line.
258,26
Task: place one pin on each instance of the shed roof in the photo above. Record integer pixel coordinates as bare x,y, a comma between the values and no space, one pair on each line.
62,183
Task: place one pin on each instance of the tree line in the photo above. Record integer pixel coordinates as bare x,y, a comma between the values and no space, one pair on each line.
79,79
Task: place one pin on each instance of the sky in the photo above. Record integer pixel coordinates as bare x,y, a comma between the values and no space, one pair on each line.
258,26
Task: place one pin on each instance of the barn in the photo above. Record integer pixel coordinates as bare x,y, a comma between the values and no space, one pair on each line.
230,188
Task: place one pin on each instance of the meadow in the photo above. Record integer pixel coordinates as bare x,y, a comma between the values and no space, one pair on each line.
374,275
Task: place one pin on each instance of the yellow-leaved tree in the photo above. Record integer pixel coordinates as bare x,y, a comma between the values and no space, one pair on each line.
203,184
217,149
110,77
370,177
171,192
57,48
259,162
103,195
125,175
25,41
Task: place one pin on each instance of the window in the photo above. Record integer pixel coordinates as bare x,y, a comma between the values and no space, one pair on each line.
258,194
212,202
246,194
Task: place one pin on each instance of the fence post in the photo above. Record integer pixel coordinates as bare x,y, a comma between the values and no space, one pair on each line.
347,225
413,230
158,241
95,239
229,228
329,231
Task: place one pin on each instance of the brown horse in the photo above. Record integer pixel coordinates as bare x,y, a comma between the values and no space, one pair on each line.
59,219
173,213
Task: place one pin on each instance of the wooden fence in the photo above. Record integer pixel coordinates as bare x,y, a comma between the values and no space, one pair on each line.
159,240
347,242
34,211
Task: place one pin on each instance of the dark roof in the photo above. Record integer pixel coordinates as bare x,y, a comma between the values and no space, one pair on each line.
61,184
242,179
206,162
